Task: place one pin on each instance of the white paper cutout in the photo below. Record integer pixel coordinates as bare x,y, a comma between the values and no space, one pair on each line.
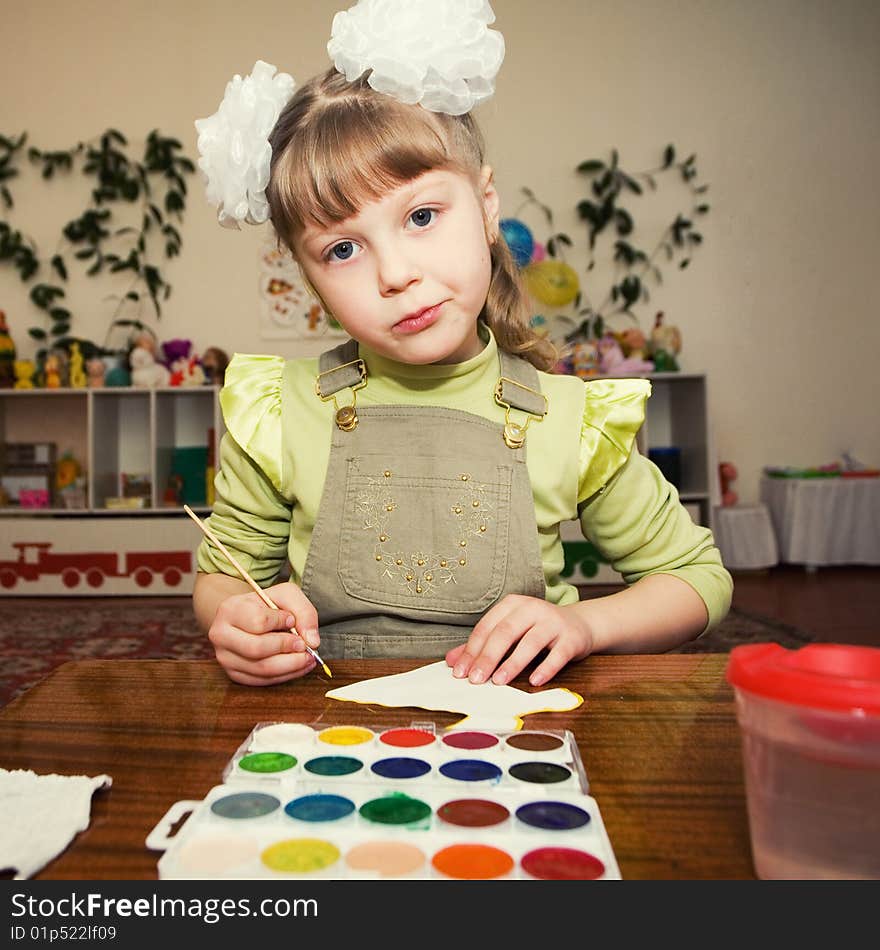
41,815
486,705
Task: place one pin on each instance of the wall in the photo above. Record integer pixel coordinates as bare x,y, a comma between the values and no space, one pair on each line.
778,99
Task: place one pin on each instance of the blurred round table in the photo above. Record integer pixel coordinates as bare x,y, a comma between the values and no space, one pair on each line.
825,521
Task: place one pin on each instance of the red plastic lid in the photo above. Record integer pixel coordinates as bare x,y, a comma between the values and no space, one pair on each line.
819,676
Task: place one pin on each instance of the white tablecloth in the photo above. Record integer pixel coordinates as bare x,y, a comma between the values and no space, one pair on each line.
825,520
745,536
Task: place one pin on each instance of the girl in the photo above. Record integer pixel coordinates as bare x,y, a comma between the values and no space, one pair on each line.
416,476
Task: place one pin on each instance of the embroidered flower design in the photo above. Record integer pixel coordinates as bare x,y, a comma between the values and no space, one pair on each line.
421,572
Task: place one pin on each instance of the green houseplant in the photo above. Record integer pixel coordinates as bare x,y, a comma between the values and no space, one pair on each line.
148,195
609,215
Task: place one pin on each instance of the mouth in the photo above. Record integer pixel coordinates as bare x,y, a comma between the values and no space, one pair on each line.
419,320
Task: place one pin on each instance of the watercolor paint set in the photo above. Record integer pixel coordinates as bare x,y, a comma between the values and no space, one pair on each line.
348,802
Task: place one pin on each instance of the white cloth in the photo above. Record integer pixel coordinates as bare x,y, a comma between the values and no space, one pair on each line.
825,520
41,815
745,537
488,706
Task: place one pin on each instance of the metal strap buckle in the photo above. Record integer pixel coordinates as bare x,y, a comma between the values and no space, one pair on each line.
346,416
515,432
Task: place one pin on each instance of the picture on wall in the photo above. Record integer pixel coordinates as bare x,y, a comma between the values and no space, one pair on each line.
287,310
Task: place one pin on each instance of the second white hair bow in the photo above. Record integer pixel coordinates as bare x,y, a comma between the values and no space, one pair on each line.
234,145
439,54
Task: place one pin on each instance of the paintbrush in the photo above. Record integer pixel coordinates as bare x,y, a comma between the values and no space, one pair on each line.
267,600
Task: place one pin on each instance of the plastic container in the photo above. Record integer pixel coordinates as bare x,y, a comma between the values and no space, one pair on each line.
810,722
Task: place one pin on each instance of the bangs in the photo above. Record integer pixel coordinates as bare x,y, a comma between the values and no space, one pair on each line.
353,150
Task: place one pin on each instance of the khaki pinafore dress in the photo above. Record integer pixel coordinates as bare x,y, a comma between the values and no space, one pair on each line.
426,518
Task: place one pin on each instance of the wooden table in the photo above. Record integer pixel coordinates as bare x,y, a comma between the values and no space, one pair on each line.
657,734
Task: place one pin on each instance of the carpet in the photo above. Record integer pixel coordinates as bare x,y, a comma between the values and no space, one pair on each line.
38,635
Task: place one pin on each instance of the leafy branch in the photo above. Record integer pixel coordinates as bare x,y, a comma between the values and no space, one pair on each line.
157,184
558,240
603,211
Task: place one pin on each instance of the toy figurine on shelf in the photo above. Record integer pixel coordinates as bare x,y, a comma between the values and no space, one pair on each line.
147,339
665,345
187,371
585,359
67,470
77,375
146,373
195,374
24,374
52,371
69,483
173,351
612,362
95,370
214,363
728,474
118,373
633,343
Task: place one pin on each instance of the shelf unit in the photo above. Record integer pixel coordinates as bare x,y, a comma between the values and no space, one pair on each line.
677,415
111,432
117,430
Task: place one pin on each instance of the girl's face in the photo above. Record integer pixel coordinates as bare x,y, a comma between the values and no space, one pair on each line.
408,274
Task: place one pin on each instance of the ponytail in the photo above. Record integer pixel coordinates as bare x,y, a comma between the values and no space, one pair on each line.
507,312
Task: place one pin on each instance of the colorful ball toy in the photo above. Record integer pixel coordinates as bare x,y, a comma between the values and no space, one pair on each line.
519,240
552,282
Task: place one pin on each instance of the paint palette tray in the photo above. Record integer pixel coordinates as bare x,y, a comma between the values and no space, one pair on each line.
281,752
347,802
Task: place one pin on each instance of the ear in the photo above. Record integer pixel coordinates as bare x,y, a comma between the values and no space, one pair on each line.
491,203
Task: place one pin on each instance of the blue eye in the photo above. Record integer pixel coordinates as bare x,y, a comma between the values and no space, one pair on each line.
341,251
422,217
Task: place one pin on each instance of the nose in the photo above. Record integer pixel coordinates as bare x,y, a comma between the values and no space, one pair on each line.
396,269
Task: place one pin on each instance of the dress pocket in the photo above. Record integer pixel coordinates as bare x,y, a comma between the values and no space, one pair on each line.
425,533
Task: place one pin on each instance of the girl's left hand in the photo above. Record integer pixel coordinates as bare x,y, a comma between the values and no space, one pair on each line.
537,625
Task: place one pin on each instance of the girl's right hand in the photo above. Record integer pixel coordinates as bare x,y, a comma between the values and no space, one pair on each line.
256,645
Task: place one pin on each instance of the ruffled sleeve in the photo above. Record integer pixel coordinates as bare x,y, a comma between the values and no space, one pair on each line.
614,410
251,404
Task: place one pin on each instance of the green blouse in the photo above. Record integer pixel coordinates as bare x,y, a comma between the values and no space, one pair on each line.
582,463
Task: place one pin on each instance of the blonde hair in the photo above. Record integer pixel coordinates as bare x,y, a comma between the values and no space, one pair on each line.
338,145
